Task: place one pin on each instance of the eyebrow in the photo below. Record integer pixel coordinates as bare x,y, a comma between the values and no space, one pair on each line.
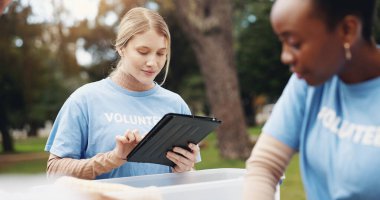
285,34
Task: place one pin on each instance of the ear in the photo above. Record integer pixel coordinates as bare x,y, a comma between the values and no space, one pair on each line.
120,52
351,29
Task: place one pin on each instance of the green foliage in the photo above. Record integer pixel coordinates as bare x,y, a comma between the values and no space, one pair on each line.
31,72
377,23
258,52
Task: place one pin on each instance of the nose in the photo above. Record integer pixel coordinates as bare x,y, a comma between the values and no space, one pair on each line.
152,61
287,56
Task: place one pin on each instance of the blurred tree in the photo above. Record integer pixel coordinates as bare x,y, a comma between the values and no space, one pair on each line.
184,75
17,61
208,25
97,37
32,71
377,27
12,70
258,54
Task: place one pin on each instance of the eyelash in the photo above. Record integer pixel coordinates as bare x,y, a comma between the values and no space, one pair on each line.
145,53
295,45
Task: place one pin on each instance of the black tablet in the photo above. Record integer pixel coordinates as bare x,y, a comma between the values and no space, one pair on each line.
171,131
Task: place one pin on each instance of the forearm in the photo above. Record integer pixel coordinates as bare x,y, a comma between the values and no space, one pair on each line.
265,166
83,168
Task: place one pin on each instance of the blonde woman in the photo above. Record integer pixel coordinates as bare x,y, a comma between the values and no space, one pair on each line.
101,122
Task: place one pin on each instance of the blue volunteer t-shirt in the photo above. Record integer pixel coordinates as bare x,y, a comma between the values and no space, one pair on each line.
336,129
95,113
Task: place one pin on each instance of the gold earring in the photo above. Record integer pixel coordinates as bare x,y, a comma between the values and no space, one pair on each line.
347,51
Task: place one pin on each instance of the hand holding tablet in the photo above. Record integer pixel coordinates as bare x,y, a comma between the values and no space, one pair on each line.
173,130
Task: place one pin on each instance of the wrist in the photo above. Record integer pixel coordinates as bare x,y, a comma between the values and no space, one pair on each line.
116,157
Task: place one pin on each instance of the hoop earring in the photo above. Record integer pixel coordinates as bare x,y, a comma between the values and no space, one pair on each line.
347,51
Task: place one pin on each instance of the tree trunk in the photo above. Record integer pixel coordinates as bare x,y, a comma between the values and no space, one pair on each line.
208,25
7,139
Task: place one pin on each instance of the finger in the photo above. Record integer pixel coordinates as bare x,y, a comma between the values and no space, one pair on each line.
126,132
121,139
194,148
173,157
126,135
185,153
177,169
135,131
181,161
174,169
130,137
138,138
179,166
137,135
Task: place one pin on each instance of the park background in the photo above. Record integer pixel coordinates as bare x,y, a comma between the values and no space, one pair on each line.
225,63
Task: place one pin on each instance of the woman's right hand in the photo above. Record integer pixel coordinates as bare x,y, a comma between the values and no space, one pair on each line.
125,143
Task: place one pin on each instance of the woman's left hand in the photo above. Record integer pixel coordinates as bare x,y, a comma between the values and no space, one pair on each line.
184,160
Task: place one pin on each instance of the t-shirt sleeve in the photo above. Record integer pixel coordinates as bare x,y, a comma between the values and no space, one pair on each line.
285,122
69,133
185,108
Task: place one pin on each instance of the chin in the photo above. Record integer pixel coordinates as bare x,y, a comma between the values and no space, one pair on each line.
147,82
314,82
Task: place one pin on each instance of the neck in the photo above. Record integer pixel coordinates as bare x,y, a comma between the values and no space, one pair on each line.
365,64
129,82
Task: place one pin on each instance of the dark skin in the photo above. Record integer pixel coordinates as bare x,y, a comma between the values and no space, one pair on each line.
315,53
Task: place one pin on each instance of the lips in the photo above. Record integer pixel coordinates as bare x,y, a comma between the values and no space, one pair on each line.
148,72
298,74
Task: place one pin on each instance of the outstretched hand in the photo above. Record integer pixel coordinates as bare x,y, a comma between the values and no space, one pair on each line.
184,160
125,143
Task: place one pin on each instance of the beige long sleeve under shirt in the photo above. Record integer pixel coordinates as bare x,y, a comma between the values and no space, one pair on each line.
265,167
83,168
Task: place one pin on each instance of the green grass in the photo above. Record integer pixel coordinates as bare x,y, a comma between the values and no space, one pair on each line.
32,144
290,189
26,167
211,158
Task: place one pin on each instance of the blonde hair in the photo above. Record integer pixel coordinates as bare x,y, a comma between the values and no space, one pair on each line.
139,20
